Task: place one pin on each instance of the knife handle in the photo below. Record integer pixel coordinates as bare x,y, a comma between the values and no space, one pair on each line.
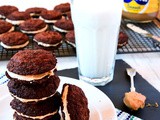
156,38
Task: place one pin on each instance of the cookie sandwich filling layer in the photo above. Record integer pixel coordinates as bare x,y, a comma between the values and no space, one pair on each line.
60,30
47,45
15,46
31,77
64,101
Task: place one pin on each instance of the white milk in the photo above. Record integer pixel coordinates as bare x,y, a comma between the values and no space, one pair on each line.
96,25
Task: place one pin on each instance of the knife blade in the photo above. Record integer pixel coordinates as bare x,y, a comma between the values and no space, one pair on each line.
142,32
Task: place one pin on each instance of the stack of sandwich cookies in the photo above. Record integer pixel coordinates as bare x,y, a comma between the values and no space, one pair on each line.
33,85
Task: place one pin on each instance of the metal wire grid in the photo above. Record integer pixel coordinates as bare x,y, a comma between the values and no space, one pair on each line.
136,43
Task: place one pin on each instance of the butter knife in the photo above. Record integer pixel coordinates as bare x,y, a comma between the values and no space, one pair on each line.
142,32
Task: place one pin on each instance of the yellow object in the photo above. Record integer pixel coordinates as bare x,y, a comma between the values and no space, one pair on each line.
140,10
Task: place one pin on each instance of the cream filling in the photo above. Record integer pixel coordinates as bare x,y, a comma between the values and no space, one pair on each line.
64,101
37,31
30,77
48,21
47,45
31,100
1,16
74,45
37,117
60,30
15,46
15,22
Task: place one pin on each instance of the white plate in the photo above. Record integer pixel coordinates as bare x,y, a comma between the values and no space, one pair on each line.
100,106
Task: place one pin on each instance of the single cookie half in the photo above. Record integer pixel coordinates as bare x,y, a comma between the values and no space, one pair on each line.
70,38
35,11
51,117
63,25
74,103
14,40
39,109
17,17
48,39
5,10
5,27
33,26
31,64
50,16
33,91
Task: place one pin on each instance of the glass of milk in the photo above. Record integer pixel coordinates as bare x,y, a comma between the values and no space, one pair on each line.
96,24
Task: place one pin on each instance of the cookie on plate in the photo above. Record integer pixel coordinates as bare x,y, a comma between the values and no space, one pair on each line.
5,27
14,40
76,103
63,25
70,38
35,11
17,17
40,110
63,7
122,40
33,26
5,10
50,16
48,39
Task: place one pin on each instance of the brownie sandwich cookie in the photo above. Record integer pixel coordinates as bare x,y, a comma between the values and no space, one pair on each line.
50,16
70,38
33,85
63,7
33,26
63,26
39,111
14,40
74,101
35,11
5,27
122,40
5,10
17,17
48,39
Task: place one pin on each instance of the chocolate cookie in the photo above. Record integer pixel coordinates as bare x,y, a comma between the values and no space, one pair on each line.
5,27
70,38
77,103
35,11
32,62
35,90
63,25
122,40
14,40
17,17
63,7
33,26
50,16
48,39
51,117
41,108
5,10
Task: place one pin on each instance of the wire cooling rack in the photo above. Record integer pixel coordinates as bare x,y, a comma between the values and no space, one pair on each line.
136,43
